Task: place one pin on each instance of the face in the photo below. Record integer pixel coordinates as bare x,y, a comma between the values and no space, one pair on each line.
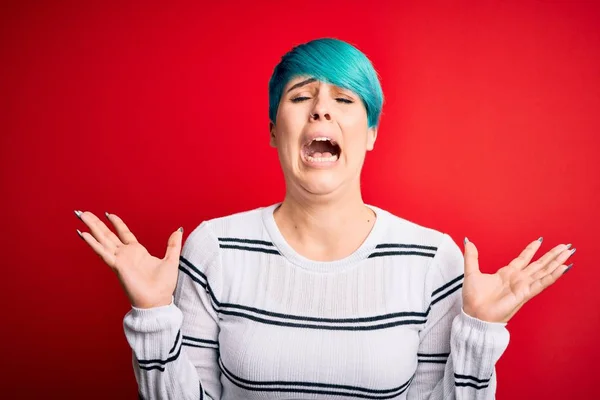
321,134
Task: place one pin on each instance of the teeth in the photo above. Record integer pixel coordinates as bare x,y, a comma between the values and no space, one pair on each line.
323,139
322,159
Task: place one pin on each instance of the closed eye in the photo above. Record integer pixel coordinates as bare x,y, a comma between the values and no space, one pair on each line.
338,99
299,99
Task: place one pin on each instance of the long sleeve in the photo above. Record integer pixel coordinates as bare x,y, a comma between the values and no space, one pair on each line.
457,353
175,347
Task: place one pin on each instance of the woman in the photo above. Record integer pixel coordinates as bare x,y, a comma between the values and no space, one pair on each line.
320,296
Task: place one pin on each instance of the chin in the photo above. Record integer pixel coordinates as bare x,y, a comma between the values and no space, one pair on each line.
320,183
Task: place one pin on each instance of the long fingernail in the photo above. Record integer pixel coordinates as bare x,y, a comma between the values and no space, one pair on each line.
78,213
466,240
80,234
181,229
568,268
569,246
541,239
572,252
105,213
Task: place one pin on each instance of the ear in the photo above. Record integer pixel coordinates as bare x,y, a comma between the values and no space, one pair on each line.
273,141
371,137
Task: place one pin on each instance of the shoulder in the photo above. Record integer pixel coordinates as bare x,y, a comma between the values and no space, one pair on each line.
444,252
402,230
201,256
239,226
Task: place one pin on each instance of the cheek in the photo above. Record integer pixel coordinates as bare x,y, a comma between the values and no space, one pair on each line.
355,116
289,128
355,126
290,116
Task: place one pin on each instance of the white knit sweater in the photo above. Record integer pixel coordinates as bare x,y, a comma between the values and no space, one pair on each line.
253,319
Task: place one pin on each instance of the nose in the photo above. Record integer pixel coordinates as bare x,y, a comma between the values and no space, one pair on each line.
317,116
320,111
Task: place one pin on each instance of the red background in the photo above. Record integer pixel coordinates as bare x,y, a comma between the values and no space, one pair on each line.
158,113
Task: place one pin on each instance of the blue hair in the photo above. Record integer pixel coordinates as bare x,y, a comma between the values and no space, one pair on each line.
332,61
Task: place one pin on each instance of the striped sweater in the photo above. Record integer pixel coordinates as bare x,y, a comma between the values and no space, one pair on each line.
253,319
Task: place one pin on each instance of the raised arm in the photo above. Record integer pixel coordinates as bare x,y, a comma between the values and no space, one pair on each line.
466,333
172,326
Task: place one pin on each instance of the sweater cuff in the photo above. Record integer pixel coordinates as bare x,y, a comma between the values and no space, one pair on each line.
477,345
152,332
153,320
481,325
488,336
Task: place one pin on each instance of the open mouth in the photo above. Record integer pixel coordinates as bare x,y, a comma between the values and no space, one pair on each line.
321,149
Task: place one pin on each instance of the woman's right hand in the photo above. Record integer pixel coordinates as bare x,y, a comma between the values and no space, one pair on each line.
148,281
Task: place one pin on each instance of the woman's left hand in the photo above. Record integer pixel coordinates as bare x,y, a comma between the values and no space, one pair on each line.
497,297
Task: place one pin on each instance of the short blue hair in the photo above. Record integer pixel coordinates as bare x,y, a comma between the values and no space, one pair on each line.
335,62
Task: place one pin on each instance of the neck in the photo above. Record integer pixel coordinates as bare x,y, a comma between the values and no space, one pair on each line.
324,230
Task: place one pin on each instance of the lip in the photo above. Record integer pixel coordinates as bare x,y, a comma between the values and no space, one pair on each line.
306,139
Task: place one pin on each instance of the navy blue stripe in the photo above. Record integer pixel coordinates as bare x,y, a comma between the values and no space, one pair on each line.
326,320
162,363
159,361
223,306
193,339
200,343
402,245
448,293
321,392
431,354
245,248
248,241
204,283
452,282
400,253
433,358
324,327
469,384
196,270
158,367
201,283
219,305
176,340
458,376
200,346
383,393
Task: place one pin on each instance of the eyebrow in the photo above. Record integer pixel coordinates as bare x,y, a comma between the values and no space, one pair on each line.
299,84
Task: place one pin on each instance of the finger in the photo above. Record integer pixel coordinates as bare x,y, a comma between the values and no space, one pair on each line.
106,256
538,269
526,255
549,256
560,259
123,231
174,245
100,231
471,258
545,281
